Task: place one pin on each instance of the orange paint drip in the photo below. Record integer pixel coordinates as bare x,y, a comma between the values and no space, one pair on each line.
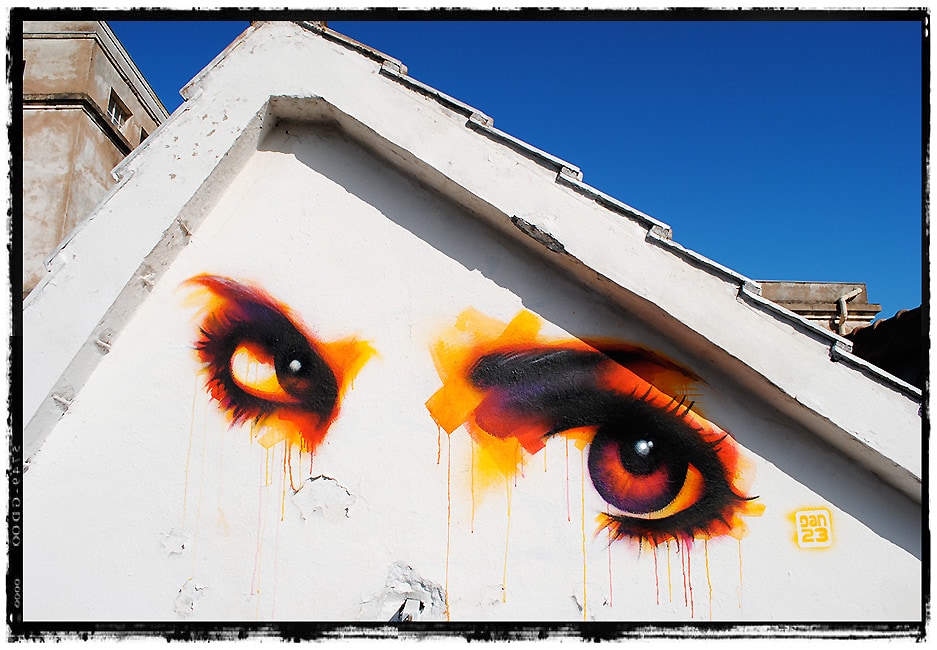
656,579
448,515
582,478
255,577
283,484
516,463
438,443
708,579
689,578
544,460
507,537
276,555
288,450
568,517
472,470
740,574
682,553
669,582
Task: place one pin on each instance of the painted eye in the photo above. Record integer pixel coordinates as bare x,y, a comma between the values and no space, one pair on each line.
664,475
665,472
263,365
651,459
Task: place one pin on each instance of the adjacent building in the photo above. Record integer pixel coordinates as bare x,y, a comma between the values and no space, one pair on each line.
85,107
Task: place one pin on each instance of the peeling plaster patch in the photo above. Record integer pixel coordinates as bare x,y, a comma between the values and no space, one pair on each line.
188,596
410,610
324,495
578,604
175,540
405,594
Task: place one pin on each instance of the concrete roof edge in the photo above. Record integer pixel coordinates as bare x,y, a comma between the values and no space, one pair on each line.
320,28
398,72
844,354
189,90
395,69
614,204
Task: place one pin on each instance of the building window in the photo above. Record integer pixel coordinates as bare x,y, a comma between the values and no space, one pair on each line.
117,111
143,135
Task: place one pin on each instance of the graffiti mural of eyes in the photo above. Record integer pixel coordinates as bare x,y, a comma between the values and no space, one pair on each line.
664,471
263,365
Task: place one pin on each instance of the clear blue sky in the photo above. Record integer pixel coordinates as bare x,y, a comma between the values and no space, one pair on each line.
784,150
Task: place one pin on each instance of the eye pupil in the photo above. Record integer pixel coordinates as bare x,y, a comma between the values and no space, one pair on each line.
640,456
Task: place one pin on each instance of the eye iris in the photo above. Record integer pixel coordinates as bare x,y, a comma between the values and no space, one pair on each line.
637,474
306,377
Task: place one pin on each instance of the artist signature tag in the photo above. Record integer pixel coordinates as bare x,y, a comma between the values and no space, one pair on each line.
814,528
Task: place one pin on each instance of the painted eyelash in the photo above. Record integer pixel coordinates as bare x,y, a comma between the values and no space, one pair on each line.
263,365
506,383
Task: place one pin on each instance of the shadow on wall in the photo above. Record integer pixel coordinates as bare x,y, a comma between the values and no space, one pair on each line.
481,247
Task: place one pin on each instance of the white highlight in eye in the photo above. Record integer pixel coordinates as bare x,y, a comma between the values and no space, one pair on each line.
643,447
295,366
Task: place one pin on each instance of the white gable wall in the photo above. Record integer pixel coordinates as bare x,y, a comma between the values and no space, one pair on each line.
144,458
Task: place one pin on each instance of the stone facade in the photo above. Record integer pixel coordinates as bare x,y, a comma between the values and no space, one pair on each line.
85,107
840,307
